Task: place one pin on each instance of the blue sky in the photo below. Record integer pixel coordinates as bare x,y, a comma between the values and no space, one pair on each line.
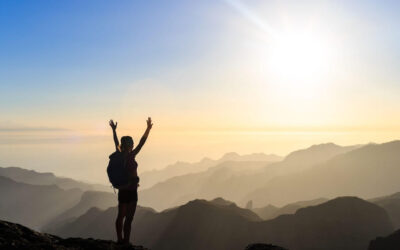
56,50
197,67
69,46
130,37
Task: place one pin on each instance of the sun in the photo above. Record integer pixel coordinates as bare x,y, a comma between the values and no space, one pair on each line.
299,60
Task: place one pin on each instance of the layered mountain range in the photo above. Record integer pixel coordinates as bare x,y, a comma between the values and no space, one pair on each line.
305,201
342,223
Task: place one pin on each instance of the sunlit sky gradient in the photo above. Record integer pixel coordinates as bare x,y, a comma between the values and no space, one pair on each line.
215,76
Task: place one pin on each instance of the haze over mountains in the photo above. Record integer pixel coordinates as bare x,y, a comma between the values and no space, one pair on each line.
368,171
230,180
88,200
35,199
237,180
149,178
296,208
271,212
391,204
36,178
34,205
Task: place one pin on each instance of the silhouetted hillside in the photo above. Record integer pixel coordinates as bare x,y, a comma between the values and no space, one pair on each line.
96,223
195,225
220,201
380,198
266,213
306,158
391,204
150,178
89,199
34,205
391,242
14,236
369,171
271,212
35,178
342,223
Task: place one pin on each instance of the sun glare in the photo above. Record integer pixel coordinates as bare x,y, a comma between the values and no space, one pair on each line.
299,60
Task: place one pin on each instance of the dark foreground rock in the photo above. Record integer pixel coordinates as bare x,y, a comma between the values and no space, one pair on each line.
260,246
391,242
15,236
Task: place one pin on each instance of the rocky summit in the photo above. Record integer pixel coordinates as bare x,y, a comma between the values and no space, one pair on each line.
15,236
260,246
390,242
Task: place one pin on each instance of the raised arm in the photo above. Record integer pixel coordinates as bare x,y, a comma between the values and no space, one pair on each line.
144,137
114,129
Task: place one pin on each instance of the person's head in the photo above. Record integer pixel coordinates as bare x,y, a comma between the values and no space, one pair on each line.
126,144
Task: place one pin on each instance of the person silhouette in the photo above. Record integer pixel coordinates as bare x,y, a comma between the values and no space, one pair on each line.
128,196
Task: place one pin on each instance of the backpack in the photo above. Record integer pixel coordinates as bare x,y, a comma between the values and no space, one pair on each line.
117,171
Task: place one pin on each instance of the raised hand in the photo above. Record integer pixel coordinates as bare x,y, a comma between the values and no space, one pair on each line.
149,123
113,125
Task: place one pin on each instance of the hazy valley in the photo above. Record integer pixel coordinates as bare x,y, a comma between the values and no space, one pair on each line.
306,200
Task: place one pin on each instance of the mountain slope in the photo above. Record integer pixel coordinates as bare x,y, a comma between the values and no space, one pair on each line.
35,178
34,205
369,171
271,212
391,204
230,180
343,223
89,199
150,178
234,180
303,159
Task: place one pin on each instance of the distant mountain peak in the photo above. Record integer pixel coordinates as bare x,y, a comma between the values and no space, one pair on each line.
318,153
230,156
221,201
19,169
46,178
321,146
205,159
340,204
327,144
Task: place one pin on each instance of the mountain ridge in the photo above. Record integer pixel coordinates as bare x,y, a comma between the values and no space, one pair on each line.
374,165
152,177
347,223
34,177
49,202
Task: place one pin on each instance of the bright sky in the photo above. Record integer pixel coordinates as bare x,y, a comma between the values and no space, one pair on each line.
215,76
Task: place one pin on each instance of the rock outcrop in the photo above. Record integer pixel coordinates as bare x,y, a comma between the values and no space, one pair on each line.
391,242
259,246
15,236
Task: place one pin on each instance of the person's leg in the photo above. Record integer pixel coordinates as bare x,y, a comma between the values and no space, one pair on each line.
128,220
122,209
